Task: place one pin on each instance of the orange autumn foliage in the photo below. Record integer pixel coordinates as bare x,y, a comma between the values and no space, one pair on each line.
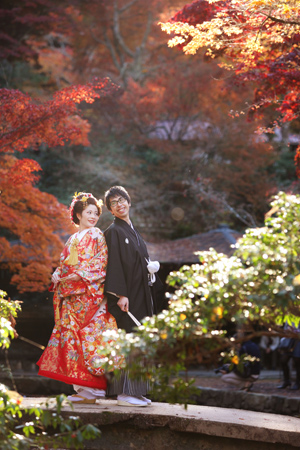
257,39
33,224
28,123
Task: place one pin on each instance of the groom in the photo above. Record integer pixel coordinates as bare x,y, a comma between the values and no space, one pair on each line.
130,282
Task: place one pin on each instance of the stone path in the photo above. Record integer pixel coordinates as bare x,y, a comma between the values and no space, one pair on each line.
267,383
252,428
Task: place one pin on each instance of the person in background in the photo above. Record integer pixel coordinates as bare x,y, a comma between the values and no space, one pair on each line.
290,348
73,354
245,377
131,285
268,346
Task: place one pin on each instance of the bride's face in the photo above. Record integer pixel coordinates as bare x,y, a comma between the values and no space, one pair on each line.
88,218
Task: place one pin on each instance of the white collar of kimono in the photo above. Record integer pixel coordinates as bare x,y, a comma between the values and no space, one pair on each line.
79,235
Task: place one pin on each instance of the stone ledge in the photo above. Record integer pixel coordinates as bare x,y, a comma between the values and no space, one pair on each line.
227,398
223,398
202,422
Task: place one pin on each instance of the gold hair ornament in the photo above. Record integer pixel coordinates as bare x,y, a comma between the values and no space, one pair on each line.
83,199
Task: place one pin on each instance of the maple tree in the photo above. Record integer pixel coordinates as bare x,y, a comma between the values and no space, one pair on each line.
258,39
23,20
33,223
118,39
162,90
177,123
121,39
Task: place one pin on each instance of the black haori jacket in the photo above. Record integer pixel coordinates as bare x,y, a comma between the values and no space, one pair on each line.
127,275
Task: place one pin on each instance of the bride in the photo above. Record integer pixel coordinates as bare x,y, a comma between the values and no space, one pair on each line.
73,354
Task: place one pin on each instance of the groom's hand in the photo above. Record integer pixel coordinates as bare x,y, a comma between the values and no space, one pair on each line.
123,304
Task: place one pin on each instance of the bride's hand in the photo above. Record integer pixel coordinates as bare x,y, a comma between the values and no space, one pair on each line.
73,277
55,278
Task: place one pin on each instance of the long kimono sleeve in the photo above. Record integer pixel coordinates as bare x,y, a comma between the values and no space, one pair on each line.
58,270
91,268
115,282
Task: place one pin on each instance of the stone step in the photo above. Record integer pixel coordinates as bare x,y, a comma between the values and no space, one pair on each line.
278,404
162,426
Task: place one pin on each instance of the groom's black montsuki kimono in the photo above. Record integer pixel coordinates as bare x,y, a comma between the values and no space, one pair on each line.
127,275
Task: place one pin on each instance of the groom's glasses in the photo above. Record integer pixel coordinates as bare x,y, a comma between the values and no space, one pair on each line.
115,202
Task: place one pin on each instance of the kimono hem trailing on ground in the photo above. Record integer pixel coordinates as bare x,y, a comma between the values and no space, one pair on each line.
73,354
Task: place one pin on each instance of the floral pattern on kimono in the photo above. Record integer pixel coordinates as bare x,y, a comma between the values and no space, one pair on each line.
73,354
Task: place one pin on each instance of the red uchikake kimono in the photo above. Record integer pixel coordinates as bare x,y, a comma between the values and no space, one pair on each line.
73,354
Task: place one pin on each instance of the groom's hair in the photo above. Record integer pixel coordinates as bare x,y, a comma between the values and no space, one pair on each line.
115,191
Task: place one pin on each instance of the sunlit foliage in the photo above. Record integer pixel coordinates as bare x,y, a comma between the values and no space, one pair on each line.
256,289
259,40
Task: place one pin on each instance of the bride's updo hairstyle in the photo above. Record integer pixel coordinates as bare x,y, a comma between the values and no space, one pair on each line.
80,201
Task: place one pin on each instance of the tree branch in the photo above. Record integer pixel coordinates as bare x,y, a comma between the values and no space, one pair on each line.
288,22
117,33
125,7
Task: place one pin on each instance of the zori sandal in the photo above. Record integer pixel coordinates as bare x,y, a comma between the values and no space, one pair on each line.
76,398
